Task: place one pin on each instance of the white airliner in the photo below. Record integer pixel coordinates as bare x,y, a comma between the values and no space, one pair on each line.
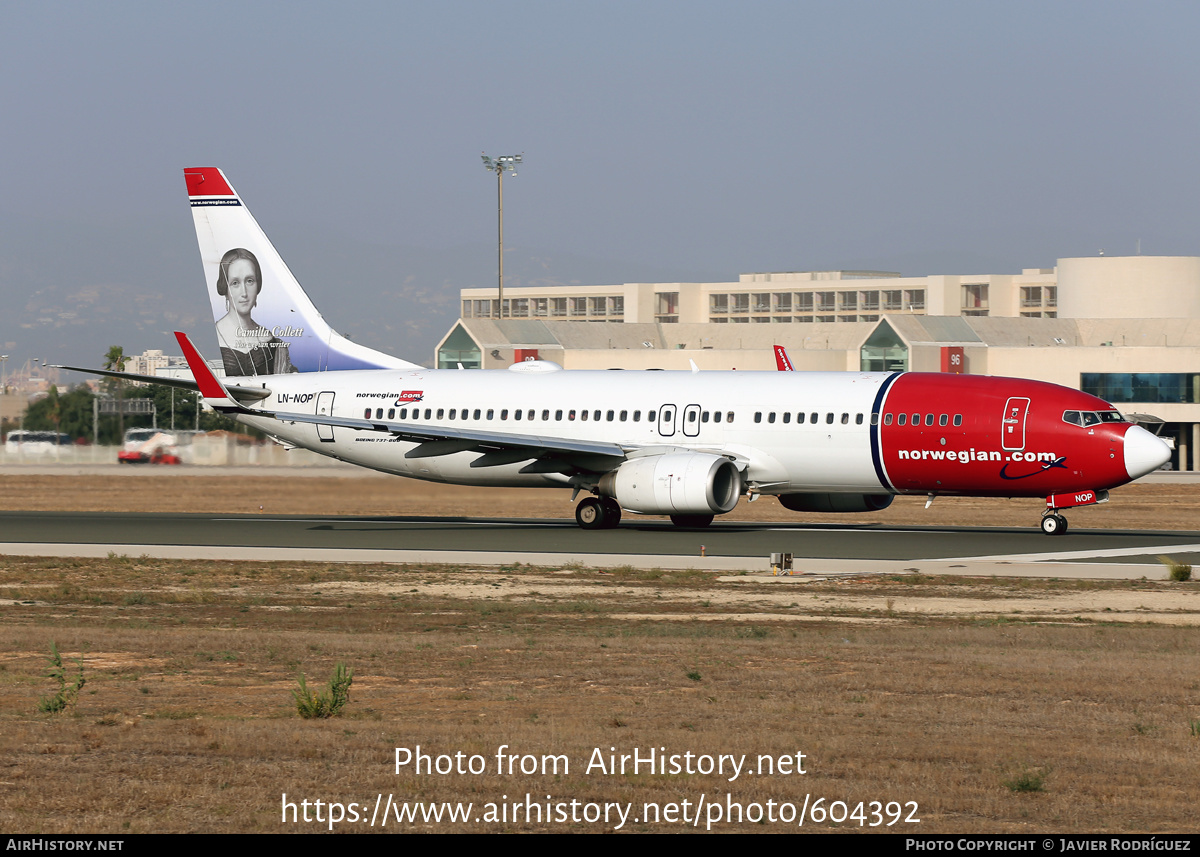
687,445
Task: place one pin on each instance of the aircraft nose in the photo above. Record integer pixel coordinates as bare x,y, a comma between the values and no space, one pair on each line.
1144,453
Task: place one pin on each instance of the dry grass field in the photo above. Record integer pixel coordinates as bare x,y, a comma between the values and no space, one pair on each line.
1049,706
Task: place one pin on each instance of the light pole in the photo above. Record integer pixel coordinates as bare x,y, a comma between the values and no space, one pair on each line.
3,375
498,166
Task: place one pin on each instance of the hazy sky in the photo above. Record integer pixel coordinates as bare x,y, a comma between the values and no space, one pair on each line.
924,137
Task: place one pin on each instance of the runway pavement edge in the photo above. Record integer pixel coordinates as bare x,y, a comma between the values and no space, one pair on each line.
757,566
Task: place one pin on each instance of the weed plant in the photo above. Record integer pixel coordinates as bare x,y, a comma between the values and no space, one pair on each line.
329,702
66,695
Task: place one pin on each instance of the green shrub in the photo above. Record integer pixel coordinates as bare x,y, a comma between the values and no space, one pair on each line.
328,703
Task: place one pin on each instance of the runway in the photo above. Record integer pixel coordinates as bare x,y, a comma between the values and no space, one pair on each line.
725,546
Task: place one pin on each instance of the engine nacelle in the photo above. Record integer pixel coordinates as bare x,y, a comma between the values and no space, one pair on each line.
683,483
836,502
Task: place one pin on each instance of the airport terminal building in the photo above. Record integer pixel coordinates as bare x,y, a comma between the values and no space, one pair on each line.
1126,328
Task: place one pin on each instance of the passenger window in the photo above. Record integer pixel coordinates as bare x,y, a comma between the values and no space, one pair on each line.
704,417
570,415
787,417
609,416
558,415
504,414
517,414
404,413
649,416
845,419
624,416
545,416
800,418
367,414
929,419
583,415
829,419
901,419
814,418
758,416
771,417
491,413
958,419
391,413
887,419
916,419
729,416
531,414
859,417
943,419
596,416
637,416
477,414
716,416
452,413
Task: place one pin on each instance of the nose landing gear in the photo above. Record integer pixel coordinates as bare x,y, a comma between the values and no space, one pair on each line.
1053,524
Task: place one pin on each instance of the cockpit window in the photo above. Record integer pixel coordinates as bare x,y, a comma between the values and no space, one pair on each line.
1091,418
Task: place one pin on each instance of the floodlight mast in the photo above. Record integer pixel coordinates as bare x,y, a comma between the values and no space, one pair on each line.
499,166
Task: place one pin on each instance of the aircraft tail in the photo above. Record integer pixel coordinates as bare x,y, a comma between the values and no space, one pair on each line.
266,324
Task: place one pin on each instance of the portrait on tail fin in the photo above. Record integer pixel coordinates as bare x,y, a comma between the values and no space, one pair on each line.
247,348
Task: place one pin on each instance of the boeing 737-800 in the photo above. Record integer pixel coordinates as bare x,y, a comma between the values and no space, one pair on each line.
687,445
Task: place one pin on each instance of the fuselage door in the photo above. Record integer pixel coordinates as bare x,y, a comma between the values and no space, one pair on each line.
691,420
666,420
1013,424
325,409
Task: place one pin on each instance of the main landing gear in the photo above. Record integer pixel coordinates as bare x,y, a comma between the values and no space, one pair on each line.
598,513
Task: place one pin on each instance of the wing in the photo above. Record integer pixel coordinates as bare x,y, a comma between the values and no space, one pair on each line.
546,454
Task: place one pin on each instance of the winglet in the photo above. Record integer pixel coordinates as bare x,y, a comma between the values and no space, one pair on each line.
210,385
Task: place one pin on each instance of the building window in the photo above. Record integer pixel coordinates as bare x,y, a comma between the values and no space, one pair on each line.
975,299
1031,296
783,302
741,303
718,304
893,300
558,307
804,302
761,302
826,301
914,298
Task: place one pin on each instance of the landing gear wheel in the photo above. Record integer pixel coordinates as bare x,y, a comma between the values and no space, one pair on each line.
590,514
1054,525
692,522
612,512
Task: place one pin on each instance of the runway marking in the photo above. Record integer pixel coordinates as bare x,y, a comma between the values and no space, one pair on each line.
1064,555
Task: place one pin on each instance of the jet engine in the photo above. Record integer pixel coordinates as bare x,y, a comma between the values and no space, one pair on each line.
683,483
836,502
